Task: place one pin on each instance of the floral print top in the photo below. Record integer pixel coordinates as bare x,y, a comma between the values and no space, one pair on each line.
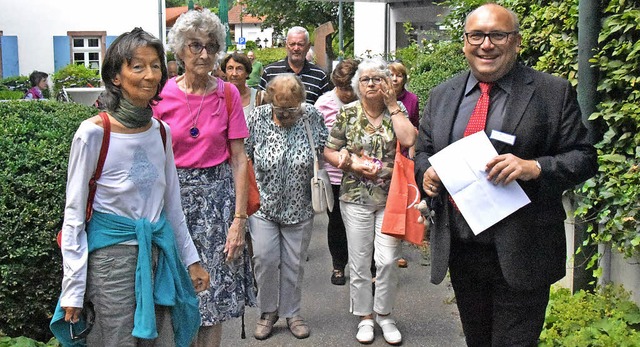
283,162
353,131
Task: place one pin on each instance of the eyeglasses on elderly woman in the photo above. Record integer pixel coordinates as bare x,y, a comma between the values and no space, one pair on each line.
287,112
197,47
366,80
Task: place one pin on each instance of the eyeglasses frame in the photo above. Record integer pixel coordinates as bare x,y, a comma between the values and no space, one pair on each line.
485,35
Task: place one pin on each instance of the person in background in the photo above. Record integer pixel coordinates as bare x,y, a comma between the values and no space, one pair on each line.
314,79
410,101
136,243
282,154
172,68
363,144
212,168
38,80
329,104
256,70
502,276
237,68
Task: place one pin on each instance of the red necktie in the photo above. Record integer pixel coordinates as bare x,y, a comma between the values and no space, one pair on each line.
478,117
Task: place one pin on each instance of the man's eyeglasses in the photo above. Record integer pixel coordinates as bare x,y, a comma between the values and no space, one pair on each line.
289,112
476,38
197,47
366,80
89,316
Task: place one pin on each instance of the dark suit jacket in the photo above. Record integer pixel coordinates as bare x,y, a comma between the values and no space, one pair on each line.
543,114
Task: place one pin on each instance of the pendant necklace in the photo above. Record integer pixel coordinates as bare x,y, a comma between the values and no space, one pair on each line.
194,131
368,116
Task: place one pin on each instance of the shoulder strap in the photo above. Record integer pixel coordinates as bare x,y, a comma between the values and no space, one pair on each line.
163,134
104,148
316,165
227,98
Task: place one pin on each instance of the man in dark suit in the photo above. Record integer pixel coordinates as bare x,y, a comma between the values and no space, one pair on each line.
502,276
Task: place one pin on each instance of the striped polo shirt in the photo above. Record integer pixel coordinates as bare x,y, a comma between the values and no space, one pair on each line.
315,81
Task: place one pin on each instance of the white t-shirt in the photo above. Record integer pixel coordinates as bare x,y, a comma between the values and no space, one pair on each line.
139,180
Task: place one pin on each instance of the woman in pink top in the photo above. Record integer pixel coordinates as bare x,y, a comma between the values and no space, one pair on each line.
208,143
329,104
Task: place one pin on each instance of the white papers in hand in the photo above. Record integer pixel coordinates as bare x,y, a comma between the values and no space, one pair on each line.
461,168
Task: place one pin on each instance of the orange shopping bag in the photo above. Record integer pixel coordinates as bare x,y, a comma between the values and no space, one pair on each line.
400,217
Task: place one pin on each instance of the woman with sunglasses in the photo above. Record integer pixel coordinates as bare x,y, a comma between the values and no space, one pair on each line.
282,154
363,144
208,142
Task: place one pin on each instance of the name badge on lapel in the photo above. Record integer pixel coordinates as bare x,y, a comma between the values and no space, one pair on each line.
503,137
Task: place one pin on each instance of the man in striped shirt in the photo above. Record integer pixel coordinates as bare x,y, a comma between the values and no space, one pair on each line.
314,79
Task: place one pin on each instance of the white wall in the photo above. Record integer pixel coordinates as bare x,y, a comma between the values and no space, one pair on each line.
368,23
253,31
35,22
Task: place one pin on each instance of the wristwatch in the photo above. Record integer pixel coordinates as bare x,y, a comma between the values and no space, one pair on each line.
538,166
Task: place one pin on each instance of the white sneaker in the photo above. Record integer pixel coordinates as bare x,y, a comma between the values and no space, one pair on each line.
365,331
389,330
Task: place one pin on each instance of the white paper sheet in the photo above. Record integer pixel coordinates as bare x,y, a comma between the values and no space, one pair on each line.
461,167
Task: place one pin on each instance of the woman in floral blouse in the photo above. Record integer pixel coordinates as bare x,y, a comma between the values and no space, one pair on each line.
281,229
363,143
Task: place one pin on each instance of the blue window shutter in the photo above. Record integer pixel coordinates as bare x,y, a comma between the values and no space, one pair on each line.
110,40
61,52
10,63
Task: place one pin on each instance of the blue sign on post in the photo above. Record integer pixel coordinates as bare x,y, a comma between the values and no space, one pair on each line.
242,40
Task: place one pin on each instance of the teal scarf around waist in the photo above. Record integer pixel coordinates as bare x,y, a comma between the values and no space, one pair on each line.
171,286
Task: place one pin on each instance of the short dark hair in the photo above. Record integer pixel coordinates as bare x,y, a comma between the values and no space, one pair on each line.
120,52
238,58
36,76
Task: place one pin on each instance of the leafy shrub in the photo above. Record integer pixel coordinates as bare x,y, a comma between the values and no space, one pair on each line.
16,83
11,94
602,319
26,342
269,55
75,75
35,139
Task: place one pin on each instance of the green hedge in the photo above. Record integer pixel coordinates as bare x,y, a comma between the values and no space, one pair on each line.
602,319
35,139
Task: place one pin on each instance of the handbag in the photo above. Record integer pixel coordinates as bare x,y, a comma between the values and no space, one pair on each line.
321,191
401,218
253,194
104,148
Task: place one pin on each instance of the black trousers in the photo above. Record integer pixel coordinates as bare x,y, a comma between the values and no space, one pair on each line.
492,312
336,233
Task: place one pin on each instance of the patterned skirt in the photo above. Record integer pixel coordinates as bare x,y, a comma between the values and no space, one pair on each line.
208,200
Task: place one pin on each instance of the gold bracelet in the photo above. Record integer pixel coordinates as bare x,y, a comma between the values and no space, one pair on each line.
240,215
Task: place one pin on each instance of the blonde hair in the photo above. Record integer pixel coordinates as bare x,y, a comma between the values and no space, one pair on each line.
285,87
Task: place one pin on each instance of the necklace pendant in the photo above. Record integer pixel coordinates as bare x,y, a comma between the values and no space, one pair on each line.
194,132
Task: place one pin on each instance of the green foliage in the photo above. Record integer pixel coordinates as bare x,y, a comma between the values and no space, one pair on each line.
607,318
613,192
35,139
11,94
435,63
282,15
26,342
269,55
16,83
75,75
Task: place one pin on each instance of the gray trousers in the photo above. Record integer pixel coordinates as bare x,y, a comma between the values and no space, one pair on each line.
111,288
278,253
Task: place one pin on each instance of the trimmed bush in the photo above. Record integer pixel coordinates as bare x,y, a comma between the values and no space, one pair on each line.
606,318
35,138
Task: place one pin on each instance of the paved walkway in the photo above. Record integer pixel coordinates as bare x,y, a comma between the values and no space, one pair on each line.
425,316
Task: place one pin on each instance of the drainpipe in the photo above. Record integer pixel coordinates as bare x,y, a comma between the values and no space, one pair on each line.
588,30
160,26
